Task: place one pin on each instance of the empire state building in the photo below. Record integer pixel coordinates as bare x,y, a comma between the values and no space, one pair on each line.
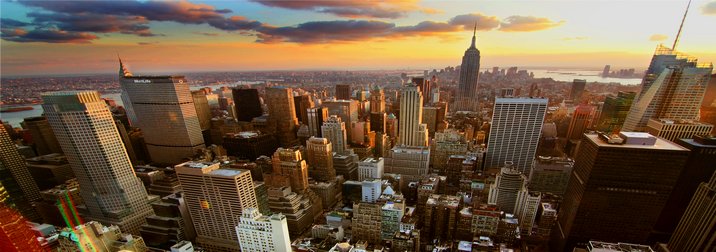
467,98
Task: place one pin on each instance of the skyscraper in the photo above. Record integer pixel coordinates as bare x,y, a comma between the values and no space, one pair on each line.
316,117
695,231
677,129
15,233
507,187
673,88
467,98
577,89
699,169
335,131
347,110
16,179
43,139
614,112
515,132
215,198
302,103
411,118
203,111
165,111
581,121
85,129
257,232
289,170
618,188
343,92
282,114
247,102
377,109
320,159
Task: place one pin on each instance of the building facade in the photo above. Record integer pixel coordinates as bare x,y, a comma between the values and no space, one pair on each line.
84,127
634,172
673,87
165,111
215,198
257,232
515,131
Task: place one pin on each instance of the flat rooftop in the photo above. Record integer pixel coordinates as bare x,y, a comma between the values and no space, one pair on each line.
661,144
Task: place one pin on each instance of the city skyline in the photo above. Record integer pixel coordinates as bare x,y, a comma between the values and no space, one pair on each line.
445,158
267,35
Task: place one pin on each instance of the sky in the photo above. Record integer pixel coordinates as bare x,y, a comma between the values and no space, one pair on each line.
85,37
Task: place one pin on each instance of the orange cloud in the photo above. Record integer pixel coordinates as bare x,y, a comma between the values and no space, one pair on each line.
527,24
658,37
354,8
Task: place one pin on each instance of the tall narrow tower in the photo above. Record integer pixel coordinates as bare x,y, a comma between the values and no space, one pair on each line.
282,114
469,71
335,131
16,179
412,132
85,129
164,110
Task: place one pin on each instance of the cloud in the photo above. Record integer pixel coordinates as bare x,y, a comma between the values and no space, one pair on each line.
353,8
211,34
98,23
484,23
658,37
126,17
362,30
709,8
325,31
575,38
47,36
12,23
527,24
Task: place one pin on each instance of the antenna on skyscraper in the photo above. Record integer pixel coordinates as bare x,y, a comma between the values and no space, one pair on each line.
474,30
678,34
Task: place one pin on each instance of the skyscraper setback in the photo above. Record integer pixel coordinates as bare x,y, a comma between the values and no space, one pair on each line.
469,72
165,111
673,88
86,132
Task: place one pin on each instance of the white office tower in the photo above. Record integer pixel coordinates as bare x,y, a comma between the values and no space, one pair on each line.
526,210
411,130
673,88
370,168
85,129
371,190
335,130
263,233
164,109
508,186
515,132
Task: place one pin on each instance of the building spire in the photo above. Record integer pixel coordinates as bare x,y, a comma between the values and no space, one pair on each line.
678,34
123,71
474,31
